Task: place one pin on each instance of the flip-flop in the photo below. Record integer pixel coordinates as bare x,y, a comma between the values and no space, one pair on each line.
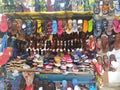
68,5
70,27
39,26
86,5
49,6
56,5
43,7
60,27
23,27
90,25
80,25
64,84
116,24
105,7
54,27
85,26
109,31
105,24
37,5
75,27
117,7
98,28
97,7
49,27
81,5
91,4
74,5
3,23
111,8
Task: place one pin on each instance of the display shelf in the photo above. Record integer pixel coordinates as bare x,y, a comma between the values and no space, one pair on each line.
49,71
49,15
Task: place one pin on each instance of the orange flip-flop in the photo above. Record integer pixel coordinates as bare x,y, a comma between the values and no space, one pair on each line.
85,26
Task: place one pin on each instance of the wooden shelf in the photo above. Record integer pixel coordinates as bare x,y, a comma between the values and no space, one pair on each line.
49,15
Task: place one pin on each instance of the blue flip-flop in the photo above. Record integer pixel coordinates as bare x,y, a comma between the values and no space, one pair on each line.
64,84
54,27
98,28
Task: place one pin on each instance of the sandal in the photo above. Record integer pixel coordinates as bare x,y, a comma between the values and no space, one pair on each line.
85,26
80,25
54,27
49,6
74,5
111,8
90,25
97,7
109,31
98,28
39,26
117,8
105,24
80,5
75,27
70,27
3,23
116,24
60,27
37,6
105,7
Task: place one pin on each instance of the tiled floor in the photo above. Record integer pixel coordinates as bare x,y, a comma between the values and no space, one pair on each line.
115,86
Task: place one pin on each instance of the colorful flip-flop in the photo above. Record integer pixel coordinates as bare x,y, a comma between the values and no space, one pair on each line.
39,26
54,27
90,25
85,26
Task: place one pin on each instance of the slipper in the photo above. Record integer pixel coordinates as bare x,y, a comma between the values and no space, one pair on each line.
74,5
57,5
117,8
68,5
90,25
110,29
2,83
39,26
5,57
98,28
91,4
74,82
54,27
85,26
49,27
69,85
75,27
64,84
70,27
60,27
3,23
86,5
105,24
49,6
80,5
116,24
105,43
23,27
43,6
97,7
92,43
105,7
3,43
37,5
80,25
58,85
111,8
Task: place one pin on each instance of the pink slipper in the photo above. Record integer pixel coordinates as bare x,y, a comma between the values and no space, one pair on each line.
3,24
60,27
116,25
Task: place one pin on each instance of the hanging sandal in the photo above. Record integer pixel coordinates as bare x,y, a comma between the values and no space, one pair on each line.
85,26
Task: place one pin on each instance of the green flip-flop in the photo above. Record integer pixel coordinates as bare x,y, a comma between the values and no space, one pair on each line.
90,25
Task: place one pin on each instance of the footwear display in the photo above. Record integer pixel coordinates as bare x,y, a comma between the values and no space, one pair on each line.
58,44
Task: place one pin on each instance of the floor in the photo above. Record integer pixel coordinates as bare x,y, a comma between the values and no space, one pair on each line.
115,86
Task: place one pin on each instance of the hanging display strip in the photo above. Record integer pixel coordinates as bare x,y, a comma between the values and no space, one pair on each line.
48,15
